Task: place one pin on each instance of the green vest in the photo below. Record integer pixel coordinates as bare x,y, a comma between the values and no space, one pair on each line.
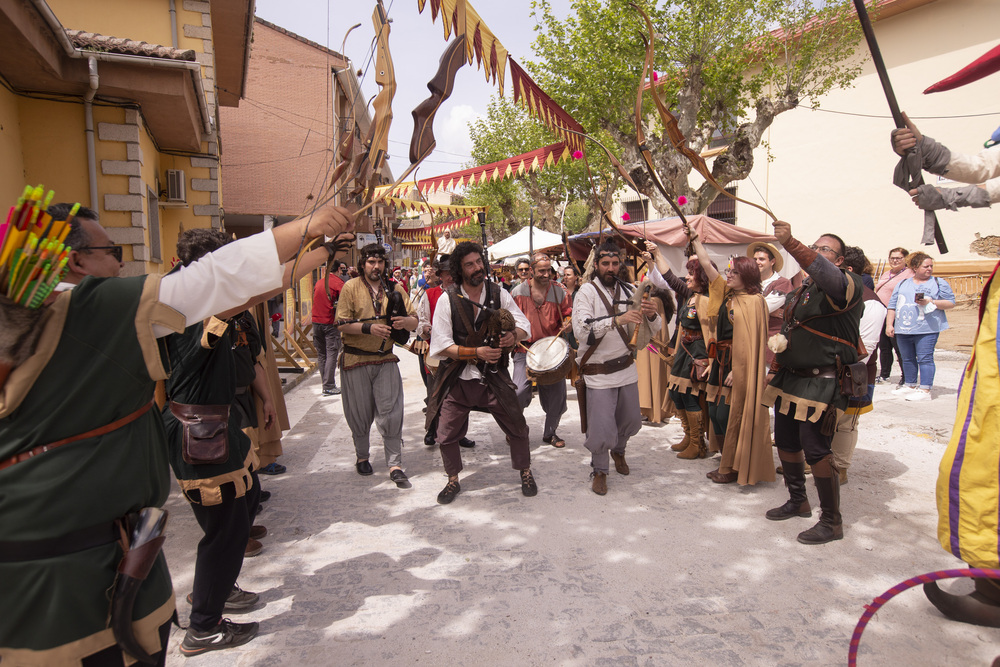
808,350
96,375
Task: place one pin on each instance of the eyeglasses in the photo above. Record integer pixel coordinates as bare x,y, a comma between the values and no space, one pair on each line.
823,248
895,259
523,269
113,250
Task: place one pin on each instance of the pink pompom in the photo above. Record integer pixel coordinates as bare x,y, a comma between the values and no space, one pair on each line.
682,200
655,76
577,155
626,217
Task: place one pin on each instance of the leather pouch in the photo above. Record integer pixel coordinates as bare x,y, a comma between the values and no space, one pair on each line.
854,380
205,438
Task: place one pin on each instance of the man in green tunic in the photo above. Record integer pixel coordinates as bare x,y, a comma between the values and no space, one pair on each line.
821,331
94,364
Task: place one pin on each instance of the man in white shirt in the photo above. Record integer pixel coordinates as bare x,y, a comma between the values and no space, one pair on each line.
607,365
467,337
446,244
845,438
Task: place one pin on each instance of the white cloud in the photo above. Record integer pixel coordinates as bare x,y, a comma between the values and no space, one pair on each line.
453,133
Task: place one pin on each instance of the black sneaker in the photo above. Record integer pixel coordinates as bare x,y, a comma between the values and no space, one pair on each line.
225,635
238,600
528,486
399,477
465,442
449,492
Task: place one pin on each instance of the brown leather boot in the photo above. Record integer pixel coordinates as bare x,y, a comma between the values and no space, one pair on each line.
831,525
793,470
697,447
600,483
621,467
683,444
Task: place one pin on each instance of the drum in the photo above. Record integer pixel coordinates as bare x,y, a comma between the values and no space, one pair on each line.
549,360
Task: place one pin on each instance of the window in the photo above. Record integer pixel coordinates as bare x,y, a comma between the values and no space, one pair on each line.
638,211
723,208
155,252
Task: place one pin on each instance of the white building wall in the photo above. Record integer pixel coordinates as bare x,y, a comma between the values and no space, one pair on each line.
833,172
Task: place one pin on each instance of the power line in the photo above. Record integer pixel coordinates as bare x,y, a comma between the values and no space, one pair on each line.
883,116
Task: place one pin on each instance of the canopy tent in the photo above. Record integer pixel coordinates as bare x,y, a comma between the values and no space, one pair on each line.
721,239
518,243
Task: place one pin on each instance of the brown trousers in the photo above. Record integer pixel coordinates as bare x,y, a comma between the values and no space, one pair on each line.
453,423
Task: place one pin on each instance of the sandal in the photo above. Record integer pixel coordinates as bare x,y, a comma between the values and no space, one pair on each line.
272,468
555,441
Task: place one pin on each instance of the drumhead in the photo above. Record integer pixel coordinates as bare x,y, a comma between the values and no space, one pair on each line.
546,354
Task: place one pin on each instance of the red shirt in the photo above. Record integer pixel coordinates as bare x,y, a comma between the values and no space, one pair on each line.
323,311
546,319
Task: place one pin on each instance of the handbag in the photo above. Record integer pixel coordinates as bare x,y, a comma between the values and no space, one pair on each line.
205,435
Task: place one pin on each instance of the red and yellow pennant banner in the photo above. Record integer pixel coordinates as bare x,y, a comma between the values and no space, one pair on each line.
436,209
542,107
480,42
535,160
422,235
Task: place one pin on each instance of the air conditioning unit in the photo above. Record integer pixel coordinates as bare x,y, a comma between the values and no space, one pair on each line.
176,192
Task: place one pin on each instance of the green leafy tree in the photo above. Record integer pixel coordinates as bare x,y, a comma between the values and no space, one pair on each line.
508,131
727,69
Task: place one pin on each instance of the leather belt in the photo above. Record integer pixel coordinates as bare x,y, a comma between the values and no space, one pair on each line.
607,367
818,372
691,336
78,540
350,349
93,433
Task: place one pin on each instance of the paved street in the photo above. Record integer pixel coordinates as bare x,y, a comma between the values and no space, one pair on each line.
667,569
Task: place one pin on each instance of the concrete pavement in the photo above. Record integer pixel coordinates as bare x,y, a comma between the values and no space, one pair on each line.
667,569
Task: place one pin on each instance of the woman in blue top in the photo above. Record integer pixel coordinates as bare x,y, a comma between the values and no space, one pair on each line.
916,318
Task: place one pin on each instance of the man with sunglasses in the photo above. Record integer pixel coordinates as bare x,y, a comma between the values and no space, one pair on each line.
546,304
820,333
93,253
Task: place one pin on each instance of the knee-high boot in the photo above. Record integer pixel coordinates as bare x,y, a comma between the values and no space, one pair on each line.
683,444
793,469
697,448
831,525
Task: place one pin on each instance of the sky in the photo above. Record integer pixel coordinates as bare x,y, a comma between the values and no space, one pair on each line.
416,45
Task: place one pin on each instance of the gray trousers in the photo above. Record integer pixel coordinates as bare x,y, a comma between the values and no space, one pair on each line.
328,343
552,396
375,393
613,417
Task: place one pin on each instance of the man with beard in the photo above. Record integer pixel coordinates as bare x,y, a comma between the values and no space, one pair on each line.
425,313
369,371
546,304
472,373
611,397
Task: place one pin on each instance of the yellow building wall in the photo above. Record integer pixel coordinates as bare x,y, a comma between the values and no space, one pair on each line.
54,148
12,179
145,21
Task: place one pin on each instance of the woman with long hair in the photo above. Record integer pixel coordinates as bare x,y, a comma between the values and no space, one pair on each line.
690,368
738,373
916,318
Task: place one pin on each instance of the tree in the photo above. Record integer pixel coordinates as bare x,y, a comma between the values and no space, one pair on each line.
726,68
508,131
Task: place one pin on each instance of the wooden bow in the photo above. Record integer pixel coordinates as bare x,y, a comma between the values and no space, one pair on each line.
671,129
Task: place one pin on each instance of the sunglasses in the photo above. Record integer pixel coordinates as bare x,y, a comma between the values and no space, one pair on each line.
114,250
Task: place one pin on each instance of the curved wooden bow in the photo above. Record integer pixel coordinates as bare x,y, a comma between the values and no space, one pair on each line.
671,129
377,142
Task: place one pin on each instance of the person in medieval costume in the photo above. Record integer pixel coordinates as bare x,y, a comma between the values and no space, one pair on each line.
607,366
819,337
369,370
738,372
474,326
968,482
77,458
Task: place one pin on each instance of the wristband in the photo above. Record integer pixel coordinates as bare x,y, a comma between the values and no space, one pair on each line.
467,353
366,328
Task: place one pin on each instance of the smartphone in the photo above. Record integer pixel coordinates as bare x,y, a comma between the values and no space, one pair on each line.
919,296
